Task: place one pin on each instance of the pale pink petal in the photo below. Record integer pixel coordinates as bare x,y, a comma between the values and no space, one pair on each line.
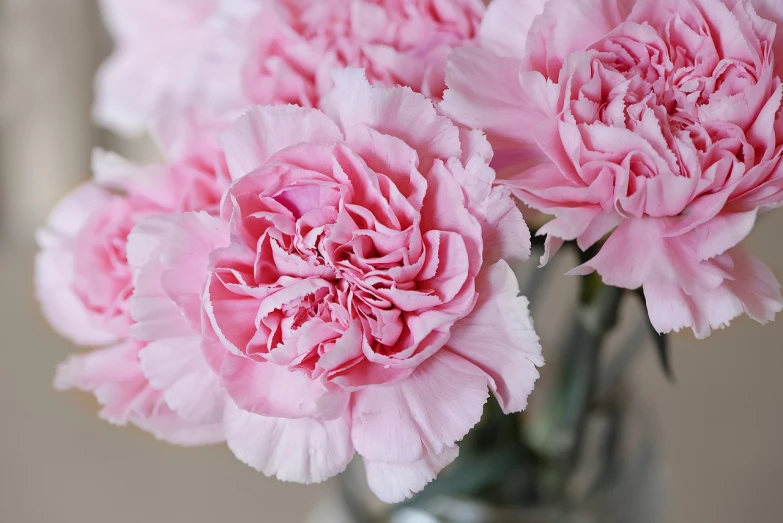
631,254
304,450
501,320
393,111
54,268
498,111
506,24
63,309
721,233
155,315
161,43
750,288
671,309
177,367
755,285
567,26
504,232
424,414
254,138
268,389
396,482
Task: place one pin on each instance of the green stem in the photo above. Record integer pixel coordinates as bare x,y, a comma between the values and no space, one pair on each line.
557,434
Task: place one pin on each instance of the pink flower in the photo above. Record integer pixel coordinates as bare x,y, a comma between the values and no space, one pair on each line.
206,61
361,300
404,42
83,279
654,122
172,51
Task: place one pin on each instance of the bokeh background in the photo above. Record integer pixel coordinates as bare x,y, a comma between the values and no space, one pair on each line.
720,425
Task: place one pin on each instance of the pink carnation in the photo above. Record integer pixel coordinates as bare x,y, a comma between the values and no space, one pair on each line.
356,292
82,275
206,61
84,282
173,56
398,42
655,122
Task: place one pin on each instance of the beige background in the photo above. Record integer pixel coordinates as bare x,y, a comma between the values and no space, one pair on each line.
720,425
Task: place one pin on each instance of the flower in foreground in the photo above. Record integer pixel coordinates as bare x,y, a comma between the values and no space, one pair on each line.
354,296
653,123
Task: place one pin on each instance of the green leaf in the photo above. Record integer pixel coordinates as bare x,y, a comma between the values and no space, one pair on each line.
661,344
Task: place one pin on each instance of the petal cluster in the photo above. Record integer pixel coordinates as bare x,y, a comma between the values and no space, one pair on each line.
655,123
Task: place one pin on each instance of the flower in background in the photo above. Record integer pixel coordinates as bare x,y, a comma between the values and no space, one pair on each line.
207,61
355,295
651,123
399,42
168,52
84,280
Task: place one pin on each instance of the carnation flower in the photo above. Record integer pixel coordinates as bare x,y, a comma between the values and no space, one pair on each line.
173,55
355,295
404,42
84,282
207,61
83,279
653,122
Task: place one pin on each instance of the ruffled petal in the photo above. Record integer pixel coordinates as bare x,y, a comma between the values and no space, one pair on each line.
424,414
304,450
263,131
177,367
396,482
750,288
397,112
498,337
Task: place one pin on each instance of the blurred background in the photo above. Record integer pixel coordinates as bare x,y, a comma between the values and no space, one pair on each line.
720,424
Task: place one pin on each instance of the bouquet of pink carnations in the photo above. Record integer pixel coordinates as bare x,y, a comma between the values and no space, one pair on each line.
324,266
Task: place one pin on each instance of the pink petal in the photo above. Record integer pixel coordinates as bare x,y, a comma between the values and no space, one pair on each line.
750,288
264,131
303,450
630,254
506,24
424,414
54,268
396,482
498,337
567,26
177,367
499,111
397,112
755,285
268,389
